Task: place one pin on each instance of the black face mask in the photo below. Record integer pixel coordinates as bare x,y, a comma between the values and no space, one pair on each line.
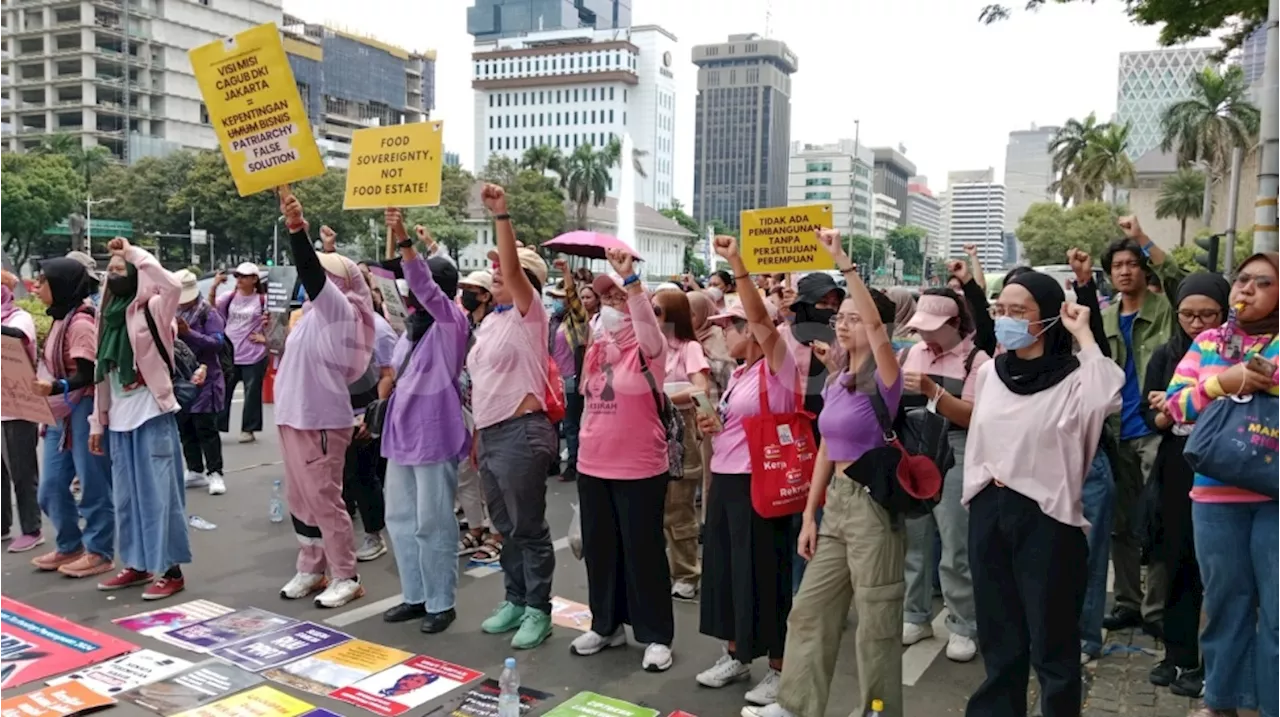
470,300
813,324
122,285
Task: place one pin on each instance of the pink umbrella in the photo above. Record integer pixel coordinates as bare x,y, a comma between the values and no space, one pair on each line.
589,244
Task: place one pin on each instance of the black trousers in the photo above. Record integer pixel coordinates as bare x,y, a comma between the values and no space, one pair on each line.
1029,579
22,475
251,415
628,579
1182,608
362,478
201,444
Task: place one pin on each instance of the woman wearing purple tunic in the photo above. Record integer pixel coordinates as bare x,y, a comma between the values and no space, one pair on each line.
244,312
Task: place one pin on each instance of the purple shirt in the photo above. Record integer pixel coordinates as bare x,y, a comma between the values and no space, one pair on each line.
243,316
384,343
322,357
562,354
205,339
424,422
848,422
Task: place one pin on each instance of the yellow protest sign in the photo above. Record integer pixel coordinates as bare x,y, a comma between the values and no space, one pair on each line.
785,239
395,166
255,109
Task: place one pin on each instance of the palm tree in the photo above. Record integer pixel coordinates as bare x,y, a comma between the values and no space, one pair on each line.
613,152
1068,148
1181,196
86,160
586,179
1106,160
544,158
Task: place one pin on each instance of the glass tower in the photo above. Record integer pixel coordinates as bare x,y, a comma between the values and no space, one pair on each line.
493,19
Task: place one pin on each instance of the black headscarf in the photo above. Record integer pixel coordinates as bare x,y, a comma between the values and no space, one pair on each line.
445,273
1200,283
69,284
1028,376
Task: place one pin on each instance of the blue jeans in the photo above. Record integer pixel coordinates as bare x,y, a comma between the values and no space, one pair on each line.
1098,497
150,495
424,532
1238,556
54,493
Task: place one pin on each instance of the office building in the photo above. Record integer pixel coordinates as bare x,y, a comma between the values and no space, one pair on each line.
349,82
1253,54
893,172
71,72
924,210
1149,82
742,127
1028,172
495,19
838,173
568,88
977,216
885,215
452,159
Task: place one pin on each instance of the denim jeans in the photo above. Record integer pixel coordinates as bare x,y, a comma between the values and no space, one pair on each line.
572,423
54,493
424,532
1238,556
150,496
1098,497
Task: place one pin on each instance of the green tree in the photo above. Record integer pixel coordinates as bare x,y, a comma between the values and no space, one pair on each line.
1047,230
38,191
1217,118
1106,160
87,161
443,227
1181,196
500,170
537,208
586,179
143,193
1069,148
543,158
676,213
321,199
241,226
455,191
1185,255
613,156
863,249
907,244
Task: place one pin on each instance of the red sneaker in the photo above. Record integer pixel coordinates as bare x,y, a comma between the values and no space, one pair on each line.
126,578
163,588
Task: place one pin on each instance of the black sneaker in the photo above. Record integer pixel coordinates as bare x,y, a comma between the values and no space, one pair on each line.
1163,673
1188,683
438,621
404,612
1122,618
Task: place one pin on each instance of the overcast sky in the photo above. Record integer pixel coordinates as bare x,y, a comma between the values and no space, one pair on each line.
923,73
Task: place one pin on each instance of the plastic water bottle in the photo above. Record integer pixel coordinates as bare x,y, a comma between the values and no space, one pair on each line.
275,509
877,708
509,690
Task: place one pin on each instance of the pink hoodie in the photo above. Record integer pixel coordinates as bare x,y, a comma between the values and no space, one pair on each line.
160,290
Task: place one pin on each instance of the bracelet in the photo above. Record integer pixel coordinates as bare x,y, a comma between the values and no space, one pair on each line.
631,280
849,270
741,277
405,243
502,217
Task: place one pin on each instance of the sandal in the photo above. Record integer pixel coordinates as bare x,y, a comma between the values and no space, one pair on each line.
469,542
488,553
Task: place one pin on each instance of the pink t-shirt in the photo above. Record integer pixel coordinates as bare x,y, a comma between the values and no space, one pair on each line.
507,363
320,357
22,321
684,359
621,436
80,342
729,452
949,366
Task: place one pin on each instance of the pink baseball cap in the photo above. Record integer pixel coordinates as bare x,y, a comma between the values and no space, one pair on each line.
932,313
735,311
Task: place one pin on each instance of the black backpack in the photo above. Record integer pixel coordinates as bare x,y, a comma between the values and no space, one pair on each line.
227,352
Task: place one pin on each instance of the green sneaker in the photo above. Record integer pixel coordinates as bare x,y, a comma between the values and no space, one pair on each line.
535,626
505,619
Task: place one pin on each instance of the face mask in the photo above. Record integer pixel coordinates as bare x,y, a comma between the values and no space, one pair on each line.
612,319
122,284
470,300
557,307
1014,334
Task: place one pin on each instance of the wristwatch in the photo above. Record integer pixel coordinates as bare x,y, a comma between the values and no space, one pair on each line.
405,243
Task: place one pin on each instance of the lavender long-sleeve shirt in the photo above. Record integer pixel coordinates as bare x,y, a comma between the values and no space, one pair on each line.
205,339
424,422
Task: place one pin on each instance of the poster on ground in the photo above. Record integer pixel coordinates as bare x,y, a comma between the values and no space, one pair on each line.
15,384
385,280
126,672
70,698
255,109
785,239
337,667
589,704
321,712
258,702
395,166
196,686
155,623
284,645
401,688
567,613
35,645
227,629
482,700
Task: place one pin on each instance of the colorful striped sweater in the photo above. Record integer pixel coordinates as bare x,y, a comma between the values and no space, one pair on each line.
1195,385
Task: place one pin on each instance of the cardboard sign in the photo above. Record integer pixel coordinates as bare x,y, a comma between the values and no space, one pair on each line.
255,109
276,648
196,686
60,701
224,630
482,700
395,166
589,704
785,239
35,645
15,383
258,702
125,672
567,613
338,667
397,690
391,301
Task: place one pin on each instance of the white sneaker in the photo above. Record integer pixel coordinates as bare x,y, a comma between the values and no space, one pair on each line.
247,437
302,585
726,671
913,633
372,548
340,592
961,648
1086,658
766,693
657,658
195,480
684,590
591,642
217,486
773,710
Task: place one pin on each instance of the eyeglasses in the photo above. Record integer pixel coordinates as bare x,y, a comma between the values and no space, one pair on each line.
1206,316
850,319
998,310
1262,281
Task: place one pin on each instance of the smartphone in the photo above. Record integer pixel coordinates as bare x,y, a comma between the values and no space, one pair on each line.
704,406
1261,365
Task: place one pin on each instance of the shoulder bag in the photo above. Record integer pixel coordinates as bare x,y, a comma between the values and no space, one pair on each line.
672,422
782,454
181,371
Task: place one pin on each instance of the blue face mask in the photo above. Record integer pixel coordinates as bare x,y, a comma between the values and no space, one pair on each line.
1014,334
557,307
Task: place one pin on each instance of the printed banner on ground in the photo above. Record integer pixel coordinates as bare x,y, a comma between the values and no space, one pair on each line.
258,702
567,613
785,239
155,623
589,704
399,689
227,629
285,645
395,166
385,280
255,109
63,700
321,712
196,686
15,384
126,672
338,667
35,645
482,700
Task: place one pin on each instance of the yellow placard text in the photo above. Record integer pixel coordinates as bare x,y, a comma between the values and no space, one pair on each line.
785,239
395,166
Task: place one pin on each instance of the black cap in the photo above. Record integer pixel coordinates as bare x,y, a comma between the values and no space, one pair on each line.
812,287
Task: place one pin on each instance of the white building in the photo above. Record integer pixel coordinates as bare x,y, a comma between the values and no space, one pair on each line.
885,215
838,173
924,210
1028,172
977,216
568,88
67,66
1149,82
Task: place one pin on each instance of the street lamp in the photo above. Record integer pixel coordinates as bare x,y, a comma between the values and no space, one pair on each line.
89,201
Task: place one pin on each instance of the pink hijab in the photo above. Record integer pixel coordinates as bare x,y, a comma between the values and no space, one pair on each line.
345,275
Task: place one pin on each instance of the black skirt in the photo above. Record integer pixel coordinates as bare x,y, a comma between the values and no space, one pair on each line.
746,571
